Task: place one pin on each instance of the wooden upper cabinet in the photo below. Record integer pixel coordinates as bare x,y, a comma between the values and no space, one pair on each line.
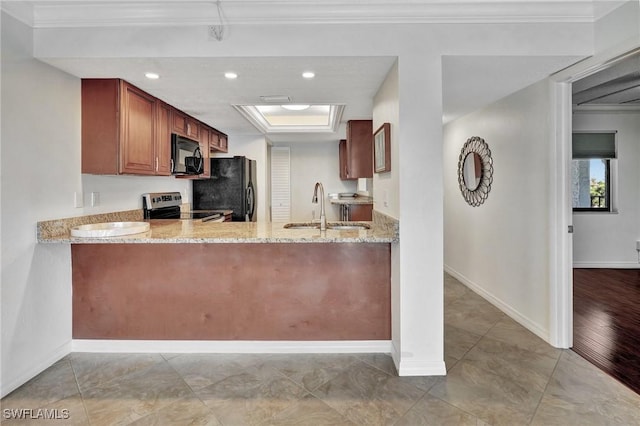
118,128
128,131
344,166
163,139
217,141
205,148
178,122
214,140
193,129
356,153
224,142
137,138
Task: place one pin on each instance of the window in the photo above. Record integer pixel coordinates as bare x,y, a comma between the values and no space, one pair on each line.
593,156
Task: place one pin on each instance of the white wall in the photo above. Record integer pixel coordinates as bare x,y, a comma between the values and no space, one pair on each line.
608,240
310,163
40,170
501,248
386,110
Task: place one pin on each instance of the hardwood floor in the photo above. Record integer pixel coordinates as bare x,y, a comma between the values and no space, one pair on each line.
606,321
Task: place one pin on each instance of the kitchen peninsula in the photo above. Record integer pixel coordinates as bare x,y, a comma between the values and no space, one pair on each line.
194,280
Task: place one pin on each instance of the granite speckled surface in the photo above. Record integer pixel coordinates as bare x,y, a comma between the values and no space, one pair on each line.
384,229
352,200
50,229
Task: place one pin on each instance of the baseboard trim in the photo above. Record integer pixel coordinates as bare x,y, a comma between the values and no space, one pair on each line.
231,346
504,307
416,367
55,356
606,265
422,368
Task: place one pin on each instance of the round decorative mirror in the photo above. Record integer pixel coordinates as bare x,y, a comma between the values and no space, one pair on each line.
475,171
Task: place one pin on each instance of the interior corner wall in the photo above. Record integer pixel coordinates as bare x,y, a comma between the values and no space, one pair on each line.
386,110
40,172
313,162
500,249
608,240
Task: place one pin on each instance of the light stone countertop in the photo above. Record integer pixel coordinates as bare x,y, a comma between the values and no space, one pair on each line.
383,230
352,200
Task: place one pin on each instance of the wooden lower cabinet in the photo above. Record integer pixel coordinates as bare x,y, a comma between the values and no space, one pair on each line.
286,291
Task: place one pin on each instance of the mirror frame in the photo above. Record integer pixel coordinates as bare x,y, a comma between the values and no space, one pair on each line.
478,146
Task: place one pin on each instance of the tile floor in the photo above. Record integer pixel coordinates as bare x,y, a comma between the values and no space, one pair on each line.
498,374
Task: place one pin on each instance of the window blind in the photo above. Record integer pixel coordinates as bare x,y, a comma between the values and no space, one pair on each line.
594,145
280,184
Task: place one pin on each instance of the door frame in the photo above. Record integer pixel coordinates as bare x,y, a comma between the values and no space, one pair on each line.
561,211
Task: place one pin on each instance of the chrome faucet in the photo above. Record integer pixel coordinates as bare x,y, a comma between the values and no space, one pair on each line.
314,200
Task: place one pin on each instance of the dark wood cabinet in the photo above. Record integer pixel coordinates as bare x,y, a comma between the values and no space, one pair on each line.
120,133
356,152
344,166
361,212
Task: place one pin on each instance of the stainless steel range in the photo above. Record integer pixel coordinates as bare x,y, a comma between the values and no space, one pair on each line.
166,205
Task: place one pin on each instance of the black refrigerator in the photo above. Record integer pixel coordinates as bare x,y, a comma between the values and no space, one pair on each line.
232,186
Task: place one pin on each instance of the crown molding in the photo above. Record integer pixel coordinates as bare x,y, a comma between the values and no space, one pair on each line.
89,13
20,10
606,109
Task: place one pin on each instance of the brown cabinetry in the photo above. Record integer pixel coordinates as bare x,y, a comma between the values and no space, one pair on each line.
128,131
205,149
185,125
163,137
217,141
356,152
361,212
120,133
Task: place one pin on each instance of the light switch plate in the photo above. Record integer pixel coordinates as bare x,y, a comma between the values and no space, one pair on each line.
78,201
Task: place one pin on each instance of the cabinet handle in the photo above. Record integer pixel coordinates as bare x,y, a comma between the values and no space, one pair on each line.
156,164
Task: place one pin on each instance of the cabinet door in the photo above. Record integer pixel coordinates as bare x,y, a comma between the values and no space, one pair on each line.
192,129
361,212
344,163
178,122
360,148
163,139
214,140
205,148
137,140
223,143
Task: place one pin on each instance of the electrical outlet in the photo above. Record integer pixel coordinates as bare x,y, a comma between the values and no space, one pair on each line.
95,199
78,201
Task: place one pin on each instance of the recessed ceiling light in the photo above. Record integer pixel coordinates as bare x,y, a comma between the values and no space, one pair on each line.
152,75
308,74
294,107
230,75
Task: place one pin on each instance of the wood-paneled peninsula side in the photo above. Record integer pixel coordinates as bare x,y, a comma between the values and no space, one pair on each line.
189,280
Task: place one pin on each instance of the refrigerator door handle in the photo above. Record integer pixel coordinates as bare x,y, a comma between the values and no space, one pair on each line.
250,202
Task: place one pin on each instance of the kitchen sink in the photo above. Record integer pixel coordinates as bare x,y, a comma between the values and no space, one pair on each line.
331,225
109,229
348,225
302,226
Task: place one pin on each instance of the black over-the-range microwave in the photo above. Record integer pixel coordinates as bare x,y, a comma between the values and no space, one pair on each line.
186,157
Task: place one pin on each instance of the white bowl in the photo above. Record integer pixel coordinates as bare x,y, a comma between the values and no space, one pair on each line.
109,229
